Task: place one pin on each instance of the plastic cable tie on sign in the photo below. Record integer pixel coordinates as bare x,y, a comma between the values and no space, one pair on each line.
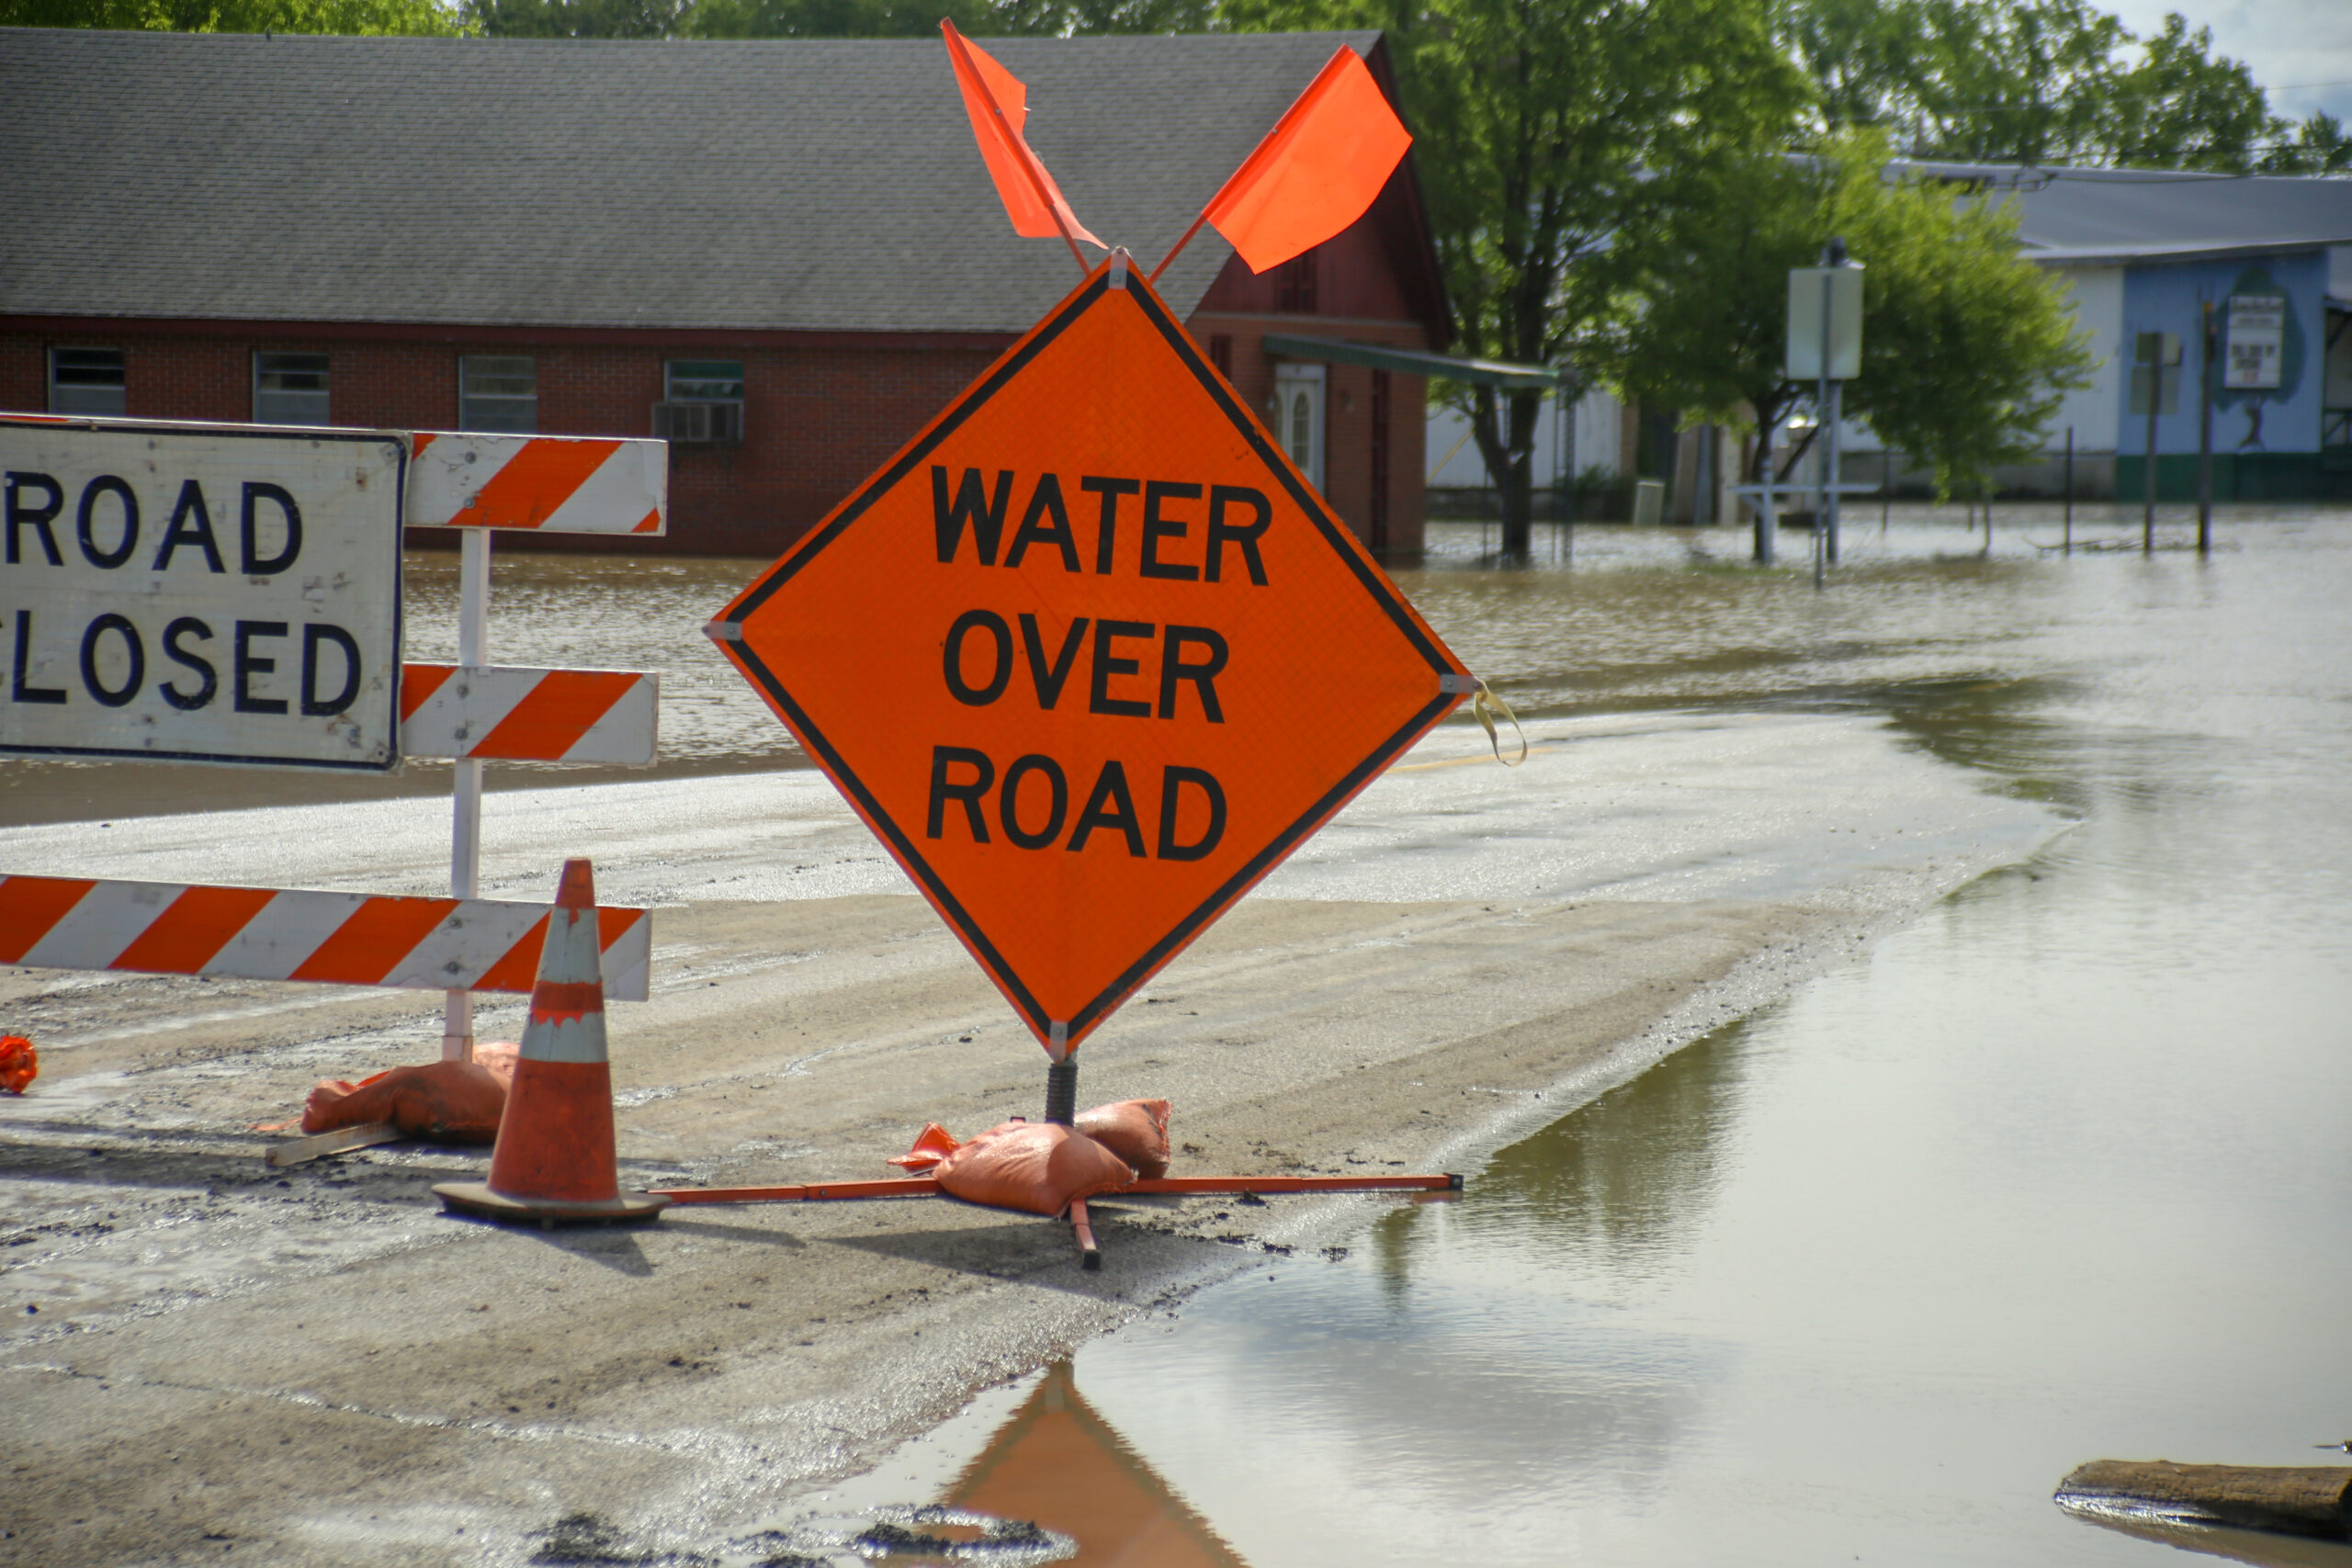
1486,705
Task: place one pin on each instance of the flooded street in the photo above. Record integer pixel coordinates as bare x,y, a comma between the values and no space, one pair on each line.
1949,973
2058,1173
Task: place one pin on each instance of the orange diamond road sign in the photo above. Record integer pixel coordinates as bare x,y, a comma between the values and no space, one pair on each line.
1090,656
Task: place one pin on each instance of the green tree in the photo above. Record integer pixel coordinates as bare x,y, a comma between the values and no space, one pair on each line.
424,17
2184,108
2318,147
1549,134
2040,81
576,18
2010,81
1966,345
981,19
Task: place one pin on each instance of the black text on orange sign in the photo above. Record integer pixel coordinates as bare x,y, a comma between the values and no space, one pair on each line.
1190,807
1233,519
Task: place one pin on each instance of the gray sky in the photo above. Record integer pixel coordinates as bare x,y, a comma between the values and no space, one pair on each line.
2285,42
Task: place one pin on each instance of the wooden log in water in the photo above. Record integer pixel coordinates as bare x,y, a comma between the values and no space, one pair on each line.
2312,1501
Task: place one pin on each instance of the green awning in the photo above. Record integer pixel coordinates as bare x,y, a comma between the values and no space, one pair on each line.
1413,362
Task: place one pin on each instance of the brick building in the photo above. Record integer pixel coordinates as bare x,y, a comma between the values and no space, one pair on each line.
783,255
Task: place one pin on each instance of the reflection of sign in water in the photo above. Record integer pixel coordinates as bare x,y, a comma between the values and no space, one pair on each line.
1059,1462
2258,330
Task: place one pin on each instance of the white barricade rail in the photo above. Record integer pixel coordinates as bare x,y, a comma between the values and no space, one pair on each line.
529,715
557,484
264,933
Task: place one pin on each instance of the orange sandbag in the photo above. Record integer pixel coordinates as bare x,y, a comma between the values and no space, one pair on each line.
1035,1167
450,1102
932,1145
1134,1130
19,1063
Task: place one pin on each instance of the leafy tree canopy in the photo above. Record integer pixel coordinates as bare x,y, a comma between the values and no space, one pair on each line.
1549,131
1966,345
2045,82
576,18
897,19
426,17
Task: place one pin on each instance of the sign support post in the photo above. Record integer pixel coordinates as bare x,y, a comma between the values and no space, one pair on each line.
2205,428
465,850
1824,402
1825,346
2155,390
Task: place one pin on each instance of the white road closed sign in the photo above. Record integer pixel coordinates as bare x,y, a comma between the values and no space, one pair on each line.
222,595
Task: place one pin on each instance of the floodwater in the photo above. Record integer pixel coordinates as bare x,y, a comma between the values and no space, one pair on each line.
2057,1173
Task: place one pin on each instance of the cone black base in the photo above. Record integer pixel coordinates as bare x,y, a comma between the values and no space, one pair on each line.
476,1198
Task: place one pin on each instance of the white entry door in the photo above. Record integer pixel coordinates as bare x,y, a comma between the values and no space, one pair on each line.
1298,417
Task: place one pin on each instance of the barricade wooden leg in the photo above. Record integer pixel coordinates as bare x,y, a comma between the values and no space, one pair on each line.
1089,1255
298,1151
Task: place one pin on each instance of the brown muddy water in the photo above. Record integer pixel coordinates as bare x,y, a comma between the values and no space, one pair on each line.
2058,1173
2062,1171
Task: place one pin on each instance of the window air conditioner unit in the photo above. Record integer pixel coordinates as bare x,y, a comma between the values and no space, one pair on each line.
699,422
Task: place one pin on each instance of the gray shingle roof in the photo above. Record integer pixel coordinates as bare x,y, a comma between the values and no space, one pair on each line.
827,184
2120,214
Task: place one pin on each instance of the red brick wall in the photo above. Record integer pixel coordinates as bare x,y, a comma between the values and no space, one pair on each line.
1358,299
817,420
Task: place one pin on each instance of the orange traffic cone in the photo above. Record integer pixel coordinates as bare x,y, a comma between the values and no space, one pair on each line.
554,1159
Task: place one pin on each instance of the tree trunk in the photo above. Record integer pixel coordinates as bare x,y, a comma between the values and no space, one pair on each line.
1519,510
1505,428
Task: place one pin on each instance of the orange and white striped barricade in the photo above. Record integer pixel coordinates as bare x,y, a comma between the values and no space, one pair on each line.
554,484
529,715
476,712
267,933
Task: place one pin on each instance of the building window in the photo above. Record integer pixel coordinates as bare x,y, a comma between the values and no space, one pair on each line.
701,400
85,380
290,388
498,392
1221,354
705,381
1294,286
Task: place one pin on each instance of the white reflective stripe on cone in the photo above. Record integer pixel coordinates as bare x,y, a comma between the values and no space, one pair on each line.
568,1028
578,1039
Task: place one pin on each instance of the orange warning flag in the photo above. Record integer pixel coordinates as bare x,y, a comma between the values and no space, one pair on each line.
1316,171
999,106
